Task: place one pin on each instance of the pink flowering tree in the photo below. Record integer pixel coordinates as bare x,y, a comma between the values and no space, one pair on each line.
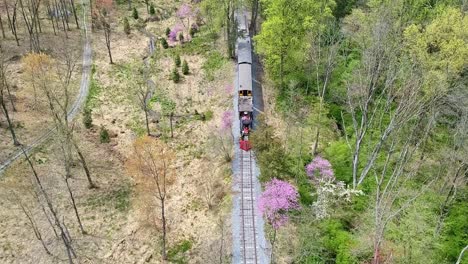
175,32
320,169
185,12
275,202
329,192
223,136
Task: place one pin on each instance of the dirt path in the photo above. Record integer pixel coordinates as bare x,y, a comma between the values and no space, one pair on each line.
80,98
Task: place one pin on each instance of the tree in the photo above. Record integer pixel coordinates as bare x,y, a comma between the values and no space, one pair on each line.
164,43
185,68
278,199
135,13
175,76
87,118
282,35
168,31
184,12
126,26
104,135
177,60
174,33
31,19
4,90
152,11
102,17
152,164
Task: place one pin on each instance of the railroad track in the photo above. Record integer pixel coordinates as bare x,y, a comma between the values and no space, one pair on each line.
248,231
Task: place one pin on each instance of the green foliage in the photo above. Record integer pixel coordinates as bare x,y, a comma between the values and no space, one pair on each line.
192,32
175,76
168,30
213,63
455,231
164,43
185,68
271,156
152,11
282,38
118,198
104,135
177,60
181,37
176,254
337,241
87,118
126,26
135,13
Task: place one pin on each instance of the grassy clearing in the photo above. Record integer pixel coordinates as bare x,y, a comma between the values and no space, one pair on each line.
94,90
176,254
213,63
118,198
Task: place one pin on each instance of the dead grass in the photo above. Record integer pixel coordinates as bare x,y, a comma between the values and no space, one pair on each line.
119,216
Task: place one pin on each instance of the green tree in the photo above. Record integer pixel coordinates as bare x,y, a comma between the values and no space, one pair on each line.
135,13
104,135
177,60
152,11
168,30
164,43
175,76
87,118
185,68
126,26
282,37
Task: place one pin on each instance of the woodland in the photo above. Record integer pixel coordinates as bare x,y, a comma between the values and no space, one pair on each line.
366,118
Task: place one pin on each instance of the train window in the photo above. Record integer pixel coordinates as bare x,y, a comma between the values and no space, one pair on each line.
249,93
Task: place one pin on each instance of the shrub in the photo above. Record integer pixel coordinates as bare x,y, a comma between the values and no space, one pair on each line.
175,76
177,60
104,135
152,11
168,31
192,31
181,37
126,26
87,118
135,13
164,43
185,68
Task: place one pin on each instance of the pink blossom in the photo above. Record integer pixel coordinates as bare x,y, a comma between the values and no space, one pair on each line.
184,11
226,120
320,168
175,32
276,201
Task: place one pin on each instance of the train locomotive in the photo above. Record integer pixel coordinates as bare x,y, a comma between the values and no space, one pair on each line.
245,96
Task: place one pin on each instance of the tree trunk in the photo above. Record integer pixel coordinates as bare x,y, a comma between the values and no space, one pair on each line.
74,206
170,119
72,2
273,240
1,25
163,217
10,124
107,33
91,184
253,20
147,122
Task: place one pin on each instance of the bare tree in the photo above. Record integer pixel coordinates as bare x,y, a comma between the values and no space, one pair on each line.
30,12
12,19
325,57
3,88
101,18
64,234
152,162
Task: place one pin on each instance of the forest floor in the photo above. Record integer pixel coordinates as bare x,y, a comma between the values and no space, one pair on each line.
121,217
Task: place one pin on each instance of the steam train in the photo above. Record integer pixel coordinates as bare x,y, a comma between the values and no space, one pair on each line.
244,81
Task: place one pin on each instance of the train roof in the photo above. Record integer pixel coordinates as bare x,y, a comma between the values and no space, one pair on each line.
245,77
244,51
245,104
